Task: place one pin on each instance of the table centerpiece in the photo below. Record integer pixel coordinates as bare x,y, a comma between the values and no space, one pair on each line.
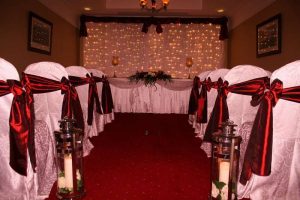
150,78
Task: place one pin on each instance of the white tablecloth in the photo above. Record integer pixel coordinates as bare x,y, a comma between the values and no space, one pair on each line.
163,97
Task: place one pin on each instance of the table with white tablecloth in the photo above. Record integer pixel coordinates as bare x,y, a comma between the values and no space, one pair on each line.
162,97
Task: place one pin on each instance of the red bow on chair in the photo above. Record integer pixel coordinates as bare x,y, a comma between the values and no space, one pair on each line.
107,100
202,100
258,156
220,111
193,102
21,138
93,93
71,104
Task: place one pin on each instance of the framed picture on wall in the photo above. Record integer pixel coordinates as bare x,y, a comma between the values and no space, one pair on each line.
268,37
39,34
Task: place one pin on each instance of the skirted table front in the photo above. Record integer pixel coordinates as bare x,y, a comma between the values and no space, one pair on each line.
161,97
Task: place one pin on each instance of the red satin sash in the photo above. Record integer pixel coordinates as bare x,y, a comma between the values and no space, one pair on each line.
93,97
198,102
258,156
20,137
194,96
71,104
107,100
220,111
202,100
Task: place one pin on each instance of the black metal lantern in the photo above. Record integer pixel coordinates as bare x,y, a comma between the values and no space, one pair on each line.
70,181
225,163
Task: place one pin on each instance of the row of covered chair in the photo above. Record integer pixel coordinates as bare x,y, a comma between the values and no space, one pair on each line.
265,106
30,111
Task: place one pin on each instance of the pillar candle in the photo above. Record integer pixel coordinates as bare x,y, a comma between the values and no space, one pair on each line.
68,171
224,172
224,177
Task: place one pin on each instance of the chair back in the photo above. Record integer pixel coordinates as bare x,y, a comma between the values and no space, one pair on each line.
212,94
48,106
203,75
83,93
13,185
283,182
240,109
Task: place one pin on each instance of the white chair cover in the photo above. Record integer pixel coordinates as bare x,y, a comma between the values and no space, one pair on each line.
83,93
212,95
108,118
204,75
240,110
211,98
192,118
13,185
47,106
284,181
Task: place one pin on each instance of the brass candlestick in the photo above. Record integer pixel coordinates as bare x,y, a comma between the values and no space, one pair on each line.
115,62
189,63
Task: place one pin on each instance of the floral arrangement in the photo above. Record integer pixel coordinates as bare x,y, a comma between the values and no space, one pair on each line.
217,188
63,188
220,190
150,78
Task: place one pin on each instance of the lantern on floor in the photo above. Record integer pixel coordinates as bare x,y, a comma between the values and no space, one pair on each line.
225,162
69,149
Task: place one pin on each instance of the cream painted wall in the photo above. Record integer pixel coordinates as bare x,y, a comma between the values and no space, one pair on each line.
14,34
242,43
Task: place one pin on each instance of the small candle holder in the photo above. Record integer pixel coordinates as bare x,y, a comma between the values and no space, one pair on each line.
189,63
70,180
225,162
115,62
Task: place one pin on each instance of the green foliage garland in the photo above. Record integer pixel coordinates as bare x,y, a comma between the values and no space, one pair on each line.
150,78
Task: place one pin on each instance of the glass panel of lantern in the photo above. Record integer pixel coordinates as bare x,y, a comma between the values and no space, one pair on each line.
70,180
225,162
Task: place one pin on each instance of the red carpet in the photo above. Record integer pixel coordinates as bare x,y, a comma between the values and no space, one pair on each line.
130,163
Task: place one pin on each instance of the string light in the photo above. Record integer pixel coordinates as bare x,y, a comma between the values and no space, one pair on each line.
167,51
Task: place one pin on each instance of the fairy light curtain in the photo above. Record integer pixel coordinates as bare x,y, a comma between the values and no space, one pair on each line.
167,51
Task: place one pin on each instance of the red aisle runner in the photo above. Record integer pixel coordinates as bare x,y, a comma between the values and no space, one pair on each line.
165,163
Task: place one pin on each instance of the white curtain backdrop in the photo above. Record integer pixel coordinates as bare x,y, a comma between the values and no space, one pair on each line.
150,52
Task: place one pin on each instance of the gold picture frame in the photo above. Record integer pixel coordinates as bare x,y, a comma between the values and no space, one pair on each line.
39,34
268,37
